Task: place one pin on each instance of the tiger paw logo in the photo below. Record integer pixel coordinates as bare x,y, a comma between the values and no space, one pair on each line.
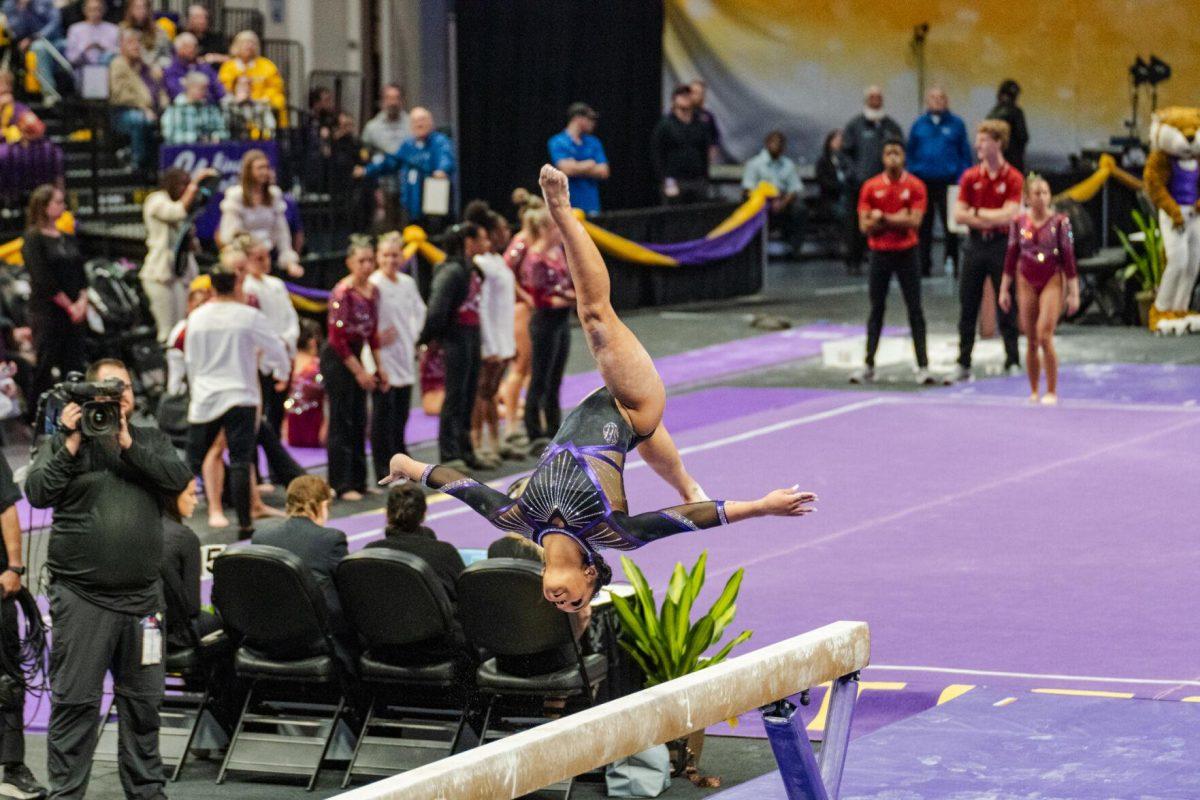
610,432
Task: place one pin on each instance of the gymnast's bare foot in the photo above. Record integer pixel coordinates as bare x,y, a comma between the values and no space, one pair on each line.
554,188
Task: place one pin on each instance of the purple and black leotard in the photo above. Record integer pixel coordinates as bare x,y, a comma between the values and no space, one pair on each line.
577,488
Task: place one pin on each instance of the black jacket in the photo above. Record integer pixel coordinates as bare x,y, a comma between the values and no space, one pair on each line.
181,577
451,283
321,549
106,536
1018,133
680,149
443,557
862,147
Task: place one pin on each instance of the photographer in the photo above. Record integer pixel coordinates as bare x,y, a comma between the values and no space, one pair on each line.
18,780
165,275
105,594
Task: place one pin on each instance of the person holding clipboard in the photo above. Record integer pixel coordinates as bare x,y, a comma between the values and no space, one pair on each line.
424,161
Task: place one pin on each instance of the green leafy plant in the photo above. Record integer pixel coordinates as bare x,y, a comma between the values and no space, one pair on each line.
663,641
1147,262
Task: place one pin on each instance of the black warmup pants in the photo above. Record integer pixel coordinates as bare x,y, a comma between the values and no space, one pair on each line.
58,345
12,720
937,205
461,348
389,418
240,426
346,442
281,467
550,331
984,259
88,642
902,263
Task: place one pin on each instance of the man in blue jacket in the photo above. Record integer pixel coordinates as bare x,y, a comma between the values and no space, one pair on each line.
938,153
425,154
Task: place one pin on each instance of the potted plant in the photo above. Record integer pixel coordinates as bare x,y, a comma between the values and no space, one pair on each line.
665,643
1146,262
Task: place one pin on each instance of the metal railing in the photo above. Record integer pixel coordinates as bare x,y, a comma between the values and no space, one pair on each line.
288,57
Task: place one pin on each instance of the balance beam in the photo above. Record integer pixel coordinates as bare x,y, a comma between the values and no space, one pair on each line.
558,750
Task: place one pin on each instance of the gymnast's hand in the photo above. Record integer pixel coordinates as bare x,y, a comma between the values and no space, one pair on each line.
789,502
402,468
554,188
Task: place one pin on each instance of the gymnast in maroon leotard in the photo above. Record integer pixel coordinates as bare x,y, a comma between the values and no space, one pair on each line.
574,504
1041,259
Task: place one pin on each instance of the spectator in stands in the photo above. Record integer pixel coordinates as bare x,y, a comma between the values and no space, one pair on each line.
578,153
247,118
353,323
213,47
193,117
305,406
549,283
938,153
35,26
256,206
832,176
405,533
1007,110
31,160
187,60
181,570
223,346
166,274
322,112
10,110
156,45
862,146
266,84
513,545
58,302
426,153
138,97
384,134
93,40
771,166
679,149
320,548
401,317
699,95
453,322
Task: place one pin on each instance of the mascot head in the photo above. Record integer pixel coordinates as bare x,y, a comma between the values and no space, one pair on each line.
1173,130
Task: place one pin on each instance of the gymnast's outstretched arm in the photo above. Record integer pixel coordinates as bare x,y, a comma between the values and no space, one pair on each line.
655,525
486,501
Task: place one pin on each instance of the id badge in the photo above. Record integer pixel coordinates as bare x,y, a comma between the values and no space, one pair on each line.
152,640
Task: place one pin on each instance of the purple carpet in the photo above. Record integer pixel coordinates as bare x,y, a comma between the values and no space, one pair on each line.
1164,384
994,744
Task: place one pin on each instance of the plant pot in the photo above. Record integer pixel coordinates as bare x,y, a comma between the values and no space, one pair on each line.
1145,299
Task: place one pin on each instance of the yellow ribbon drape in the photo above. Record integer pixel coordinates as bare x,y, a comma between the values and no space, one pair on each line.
309,306
628,250
10,252
417,241
1106,168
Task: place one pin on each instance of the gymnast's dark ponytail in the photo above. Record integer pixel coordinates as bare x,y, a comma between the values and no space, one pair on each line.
603,573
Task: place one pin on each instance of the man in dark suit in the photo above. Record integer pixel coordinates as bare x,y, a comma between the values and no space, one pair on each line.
304,534
404,532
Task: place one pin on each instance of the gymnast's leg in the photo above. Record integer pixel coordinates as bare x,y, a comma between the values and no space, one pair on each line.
662,456
624,364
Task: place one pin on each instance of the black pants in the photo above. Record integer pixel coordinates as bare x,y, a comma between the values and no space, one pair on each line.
59,345
12,720
282,469
389,418
346,443
902,263
461,349
855,241
983,259
240,426
938,205
550,330
88,642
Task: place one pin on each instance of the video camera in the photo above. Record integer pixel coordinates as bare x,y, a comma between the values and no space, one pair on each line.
99,400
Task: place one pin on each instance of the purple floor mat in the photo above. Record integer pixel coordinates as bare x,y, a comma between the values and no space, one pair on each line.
1034,747
1164,384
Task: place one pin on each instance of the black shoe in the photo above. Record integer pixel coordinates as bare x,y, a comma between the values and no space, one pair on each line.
20,783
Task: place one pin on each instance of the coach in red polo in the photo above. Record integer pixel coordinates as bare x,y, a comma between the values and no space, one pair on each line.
989,197
890,208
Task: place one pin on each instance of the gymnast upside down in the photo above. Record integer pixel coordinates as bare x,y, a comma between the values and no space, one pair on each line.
574,503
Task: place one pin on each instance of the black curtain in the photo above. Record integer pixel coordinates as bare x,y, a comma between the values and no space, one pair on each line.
522,62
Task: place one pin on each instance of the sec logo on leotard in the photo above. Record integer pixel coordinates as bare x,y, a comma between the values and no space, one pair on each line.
610,432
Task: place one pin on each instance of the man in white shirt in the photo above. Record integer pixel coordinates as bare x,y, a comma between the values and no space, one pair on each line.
383,134
786,211
401,317
225,343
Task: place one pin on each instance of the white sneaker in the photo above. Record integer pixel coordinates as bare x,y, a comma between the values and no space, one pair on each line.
961,374
1049,399
864,375
924,377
